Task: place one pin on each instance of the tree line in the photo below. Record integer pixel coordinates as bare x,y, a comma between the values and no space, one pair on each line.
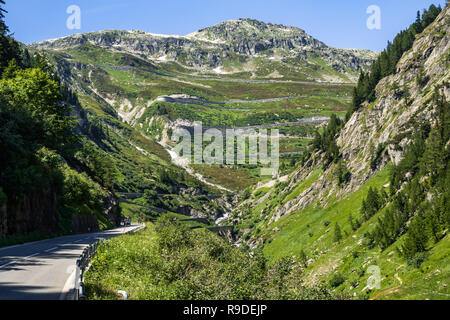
386,63
417,209
40,146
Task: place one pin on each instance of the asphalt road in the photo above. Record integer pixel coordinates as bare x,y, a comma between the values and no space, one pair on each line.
45,270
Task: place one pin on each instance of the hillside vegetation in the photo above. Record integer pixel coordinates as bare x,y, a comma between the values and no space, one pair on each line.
39,191
67,156
169,261
372,191
362,194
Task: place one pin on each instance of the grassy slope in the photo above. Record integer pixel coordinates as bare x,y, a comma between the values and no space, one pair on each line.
297,227
312,229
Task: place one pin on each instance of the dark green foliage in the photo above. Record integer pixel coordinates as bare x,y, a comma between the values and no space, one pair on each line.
31,119
303,258
326,142
424,170
371,204
416,239
376,156
354,224
3,197
9,48
337,280
97,164
436,154
387,61
81,195
342,173
337,236
38,140
165,109
176,263
368,240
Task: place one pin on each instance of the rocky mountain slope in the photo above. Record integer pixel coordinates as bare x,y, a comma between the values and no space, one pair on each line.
297,215
245,48
401,102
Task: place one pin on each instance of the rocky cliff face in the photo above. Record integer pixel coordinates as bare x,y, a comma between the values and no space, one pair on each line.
403,100
247,44
35,212
252,37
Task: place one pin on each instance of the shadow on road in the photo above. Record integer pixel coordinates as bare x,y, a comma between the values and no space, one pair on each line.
9,291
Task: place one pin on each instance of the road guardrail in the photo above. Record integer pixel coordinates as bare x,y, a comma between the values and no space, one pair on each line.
83,261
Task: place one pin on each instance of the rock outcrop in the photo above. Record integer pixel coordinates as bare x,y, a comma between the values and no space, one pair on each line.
402,102
34,213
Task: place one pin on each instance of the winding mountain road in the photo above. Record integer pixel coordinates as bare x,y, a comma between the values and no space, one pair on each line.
45,270
248,81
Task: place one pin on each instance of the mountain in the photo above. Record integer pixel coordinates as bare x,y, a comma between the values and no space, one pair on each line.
246,48
372,203
361,194
236,74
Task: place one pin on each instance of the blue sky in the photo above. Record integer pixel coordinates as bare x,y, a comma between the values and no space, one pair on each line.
338,23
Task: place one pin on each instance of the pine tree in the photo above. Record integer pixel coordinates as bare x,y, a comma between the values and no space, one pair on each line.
337,233
352,223
303,258
371,204
9,48
416,239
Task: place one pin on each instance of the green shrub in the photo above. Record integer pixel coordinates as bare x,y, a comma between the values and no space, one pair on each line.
170,261
417,260
336,280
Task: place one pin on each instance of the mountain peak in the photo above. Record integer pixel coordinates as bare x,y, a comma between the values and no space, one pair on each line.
246,29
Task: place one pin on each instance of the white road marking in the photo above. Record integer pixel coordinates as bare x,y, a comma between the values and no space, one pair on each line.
6,264
68,286
24,258
12,247
52,249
